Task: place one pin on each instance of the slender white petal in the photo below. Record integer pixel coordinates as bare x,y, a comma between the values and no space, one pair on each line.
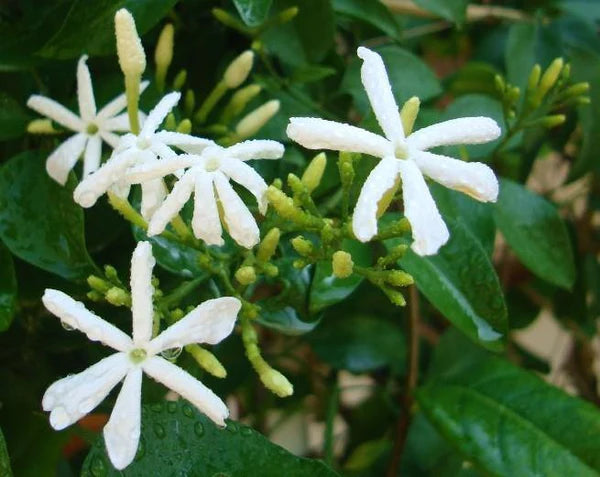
428,229
85,91
185,142
244,175
161,150
315,133
142,291
109,138
159,113
377,85
93,186
187,386
380,180
55,111
210,322
240,223
256,149
116,123
472,178
118,104
93,154
73,397
153,195
74,314
64,157
173,204
205,221
122,431
155,169
476,130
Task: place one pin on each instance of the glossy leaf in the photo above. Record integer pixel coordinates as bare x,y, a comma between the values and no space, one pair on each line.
373,12
253,12
177,439
39,222
453,10
536,233
13,118
507,420
4,459
8,288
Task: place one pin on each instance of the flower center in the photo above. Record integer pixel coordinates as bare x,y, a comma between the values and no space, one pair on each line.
212,164
143,143
138,355
400,151
92,128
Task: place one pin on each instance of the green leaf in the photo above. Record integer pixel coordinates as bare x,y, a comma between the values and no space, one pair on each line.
408,74
536,233
39,222
506,420
8,288
177,439
326,289
460,281
359,343
253,12
13,119
89,26
370,11
4,459
453,10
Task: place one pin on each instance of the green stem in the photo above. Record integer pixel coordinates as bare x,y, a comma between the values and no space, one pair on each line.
181,292
332,409
211,100
132,92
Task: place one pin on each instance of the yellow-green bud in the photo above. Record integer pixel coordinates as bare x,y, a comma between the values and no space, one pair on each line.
98,284
387,197
499,83
269,244
94,295
552,120
180,79
287,15
270,270
118,297
346,167
399,278
207,360
534,78
283,204
302,246
395,296
41,126
111,273
163,55
314,172
577,89
299,263
409,113
566,72
245,275
177,314
170,122
550,76
238,70
277,183
255,120
240,99
276,382
185,126
189,102
583,100
513,94
342,264
226,19
132,58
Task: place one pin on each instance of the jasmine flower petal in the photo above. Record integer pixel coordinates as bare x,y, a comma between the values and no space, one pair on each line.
205,221
474,130
142,311
173,204
64,157
92,155
244,175
55,111
85,92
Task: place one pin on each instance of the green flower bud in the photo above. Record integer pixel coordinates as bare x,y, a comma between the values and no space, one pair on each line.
287,15
314,172
207,360
270,270
534,78
387,197
395,296
118,297
577,89
132,58
185,126
549,77
177,314
399,278
180,79
111,273
41,126
163,55
268,245
276,382
299,263
513,94
239,100
302,246
250,124
346,167
189,102
93,295
552,121
239,69
342,264
245,275
226,19
409,113
98,284
170,122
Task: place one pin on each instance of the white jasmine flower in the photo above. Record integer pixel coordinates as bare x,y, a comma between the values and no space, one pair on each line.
208,177
92,126
406,157
147,147
71,398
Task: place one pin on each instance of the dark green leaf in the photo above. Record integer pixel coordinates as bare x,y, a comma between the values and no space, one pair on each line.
453,10
178,440
507,420
536,233
327,289
408,74
39,222
310,73
8,288
476,77
4,459
370,11
74,38
359,343
253,12
460,281
13,119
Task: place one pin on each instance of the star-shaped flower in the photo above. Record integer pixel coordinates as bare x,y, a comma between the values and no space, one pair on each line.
146,147
92,126
406,157
208,177
71,398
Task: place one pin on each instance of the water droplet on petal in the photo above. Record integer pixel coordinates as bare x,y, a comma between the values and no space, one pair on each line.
171,406
171,353
188,411
246,431
141,449
67,326
199,429
159,431
232,427
156,407
98,467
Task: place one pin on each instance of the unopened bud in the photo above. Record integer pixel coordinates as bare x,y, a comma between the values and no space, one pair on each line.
255,120
566,72
399,278
276,382
346,167
226,19
302,246
513,94
387,197
299,263
245,275
342,264
177,314
163,55
283,204
395,296
314,172
98,284
111,273
550,76
287,15
239,100
132,58
180,79
270,270
207,360
170,122
238,70
41,126
269,244
189,102
118,297
185,126
409,113
534,78
93,295
552,120
577,89
499,83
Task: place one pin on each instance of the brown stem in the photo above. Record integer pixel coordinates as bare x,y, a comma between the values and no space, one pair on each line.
412,376
474,12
